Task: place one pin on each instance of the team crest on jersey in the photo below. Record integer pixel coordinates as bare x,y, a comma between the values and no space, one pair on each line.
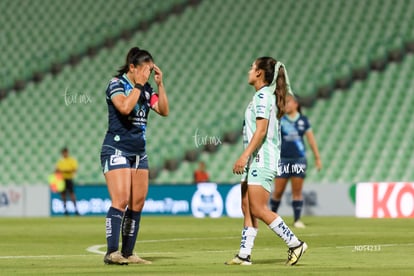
301,125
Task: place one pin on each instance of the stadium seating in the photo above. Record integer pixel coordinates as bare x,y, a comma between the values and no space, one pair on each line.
205,68
36,36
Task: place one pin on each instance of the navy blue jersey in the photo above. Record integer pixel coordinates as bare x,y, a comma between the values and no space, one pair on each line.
127,132
292,131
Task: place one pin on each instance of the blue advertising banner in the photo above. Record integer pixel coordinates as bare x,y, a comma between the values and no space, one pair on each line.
201,200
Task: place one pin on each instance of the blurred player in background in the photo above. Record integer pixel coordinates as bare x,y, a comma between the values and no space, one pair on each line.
129,97
259,161
200,174
293,163
68,166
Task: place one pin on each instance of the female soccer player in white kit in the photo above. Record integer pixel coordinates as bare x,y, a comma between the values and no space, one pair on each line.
259,161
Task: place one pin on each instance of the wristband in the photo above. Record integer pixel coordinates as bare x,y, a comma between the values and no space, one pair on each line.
139,87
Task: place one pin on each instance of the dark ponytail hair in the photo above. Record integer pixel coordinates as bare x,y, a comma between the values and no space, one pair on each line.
267,64
135,56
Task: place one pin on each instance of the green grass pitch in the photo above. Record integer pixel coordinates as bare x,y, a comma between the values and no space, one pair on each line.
190,246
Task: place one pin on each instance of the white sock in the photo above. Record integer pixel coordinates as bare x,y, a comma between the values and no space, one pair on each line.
247,241
282,230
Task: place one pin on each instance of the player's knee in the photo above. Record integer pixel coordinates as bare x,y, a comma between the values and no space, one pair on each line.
277,195
245,209
120,204
256,211
138,204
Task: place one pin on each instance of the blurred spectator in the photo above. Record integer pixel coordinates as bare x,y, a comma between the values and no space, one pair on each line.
200,174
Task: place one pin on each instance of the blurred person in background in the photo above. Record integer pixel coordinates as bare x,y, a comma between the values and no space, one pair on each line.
293,163
259,161
67,166
124,160
201,174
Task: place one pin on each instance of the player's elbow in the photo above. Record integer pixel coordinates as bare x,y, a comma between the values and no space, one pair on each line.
165,113
123,112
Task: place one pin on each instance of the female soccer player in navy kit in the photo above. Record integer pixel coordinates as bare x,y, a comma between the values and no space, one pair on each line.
259,161
294,126
129,97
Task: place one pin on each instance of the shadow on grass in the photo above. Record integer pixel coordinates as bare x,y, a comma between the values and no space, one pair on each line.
269,261
158,258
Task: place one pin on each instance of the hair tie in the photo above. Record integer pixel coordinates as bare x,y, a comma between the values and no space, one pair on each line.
273,85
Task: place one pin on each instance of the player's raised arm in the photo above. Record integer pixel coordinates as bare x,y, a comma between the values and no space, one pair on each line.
161,106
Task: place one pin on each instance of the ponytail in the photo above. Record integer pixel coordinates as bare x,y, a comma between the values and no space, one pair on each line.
135,56
280,92
276,76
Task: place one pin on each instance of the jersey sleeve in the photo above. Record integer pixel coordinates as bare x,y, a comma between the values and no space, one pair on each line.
115,87
307,123
262,105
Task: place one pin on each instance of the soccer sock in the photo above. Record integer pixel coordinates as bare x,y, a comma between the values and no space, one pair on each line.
247,241
282,230
130,227
113,228
74,205
297,209
274,205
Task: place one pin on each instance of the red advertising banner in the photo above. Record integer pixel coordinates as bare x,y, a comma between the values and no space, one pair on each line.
385,200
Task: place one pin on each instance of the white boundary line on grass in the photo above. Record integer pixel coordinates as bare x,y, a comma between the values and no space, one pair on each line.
43,256
96,249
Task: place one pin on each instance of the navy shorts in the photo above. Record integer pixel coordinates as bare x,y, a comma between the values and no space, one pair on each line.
68,186
112,159
292,168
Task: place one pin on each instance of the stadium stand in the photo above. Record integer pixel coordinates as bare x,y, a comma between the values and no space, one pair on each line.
38,37
326,46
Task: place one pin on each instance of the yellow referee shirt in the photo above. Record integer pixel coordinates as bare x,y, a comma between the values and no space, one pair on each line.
67,166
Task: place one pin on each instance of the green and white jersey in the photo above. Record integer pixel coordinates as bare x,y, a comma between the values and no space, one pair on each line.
263,105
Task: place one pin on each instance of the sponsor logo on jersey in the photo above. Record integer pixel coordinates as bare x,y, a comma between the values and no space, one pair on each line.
117,160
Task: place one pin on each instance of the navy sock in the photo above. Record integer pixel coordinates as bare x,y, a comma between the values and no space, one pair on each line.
113,228
297,209
130,228
274,205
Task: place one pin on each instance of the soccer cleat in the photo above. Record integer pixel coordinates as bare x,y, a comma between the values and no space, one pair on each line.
295,253
237,260
299,224
115,258
134,259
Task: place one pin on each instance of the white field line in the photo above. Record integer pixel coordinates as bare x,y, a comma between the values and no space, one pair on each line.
96,249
